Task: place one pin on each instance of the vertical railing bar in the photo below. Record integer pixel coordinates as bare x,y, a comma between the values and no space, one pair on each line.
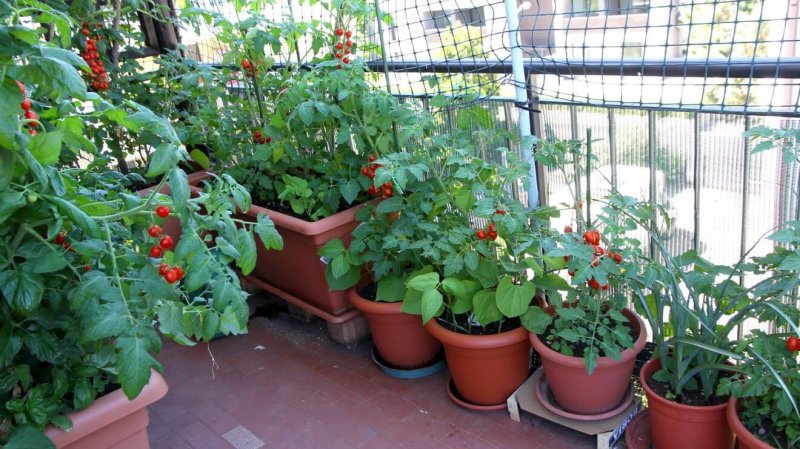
745,204
651,156
697,170
612,146
573,121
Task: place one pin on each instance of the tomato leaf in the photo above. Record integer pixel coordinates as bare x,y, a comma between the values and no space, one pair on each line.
485,307
432,304
134,363
266,231
46,147
27,437
22,288
165,157
179,188
424,282
536,320
246,245
10,201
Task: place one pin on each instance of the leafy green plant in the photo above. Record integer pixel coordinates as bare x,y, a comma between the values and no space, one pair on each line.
87,276
586,318
769,379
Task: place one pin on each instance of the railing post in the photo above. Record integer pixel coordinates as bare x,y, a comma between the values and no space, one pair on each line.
520,83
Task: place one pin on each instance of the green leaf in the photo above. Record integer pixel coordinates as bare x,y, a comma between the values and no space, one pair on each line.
229,323
485,307
10,201
340,265
134,364
424,282
246,245
46,147
536,320
550,282
570,313
350,190
179,188
77,216
569,335
432,304
332,249
27,437
22,288
6,168
164,158
211,323
344,282
198,272
200,158
266,231
50,262
513,300
486,273
393,204
89,247
306,112
54,77
390,289
110,321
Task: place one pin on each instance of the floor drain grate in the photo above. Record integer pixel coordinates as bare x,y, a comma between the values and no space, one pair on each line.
241,438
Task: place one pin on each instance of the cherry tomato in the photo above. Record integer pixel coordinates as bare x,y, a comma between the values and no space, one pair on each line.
349,34
387,185
257,134
605,287
566,258
262,141
166,242
365,171
32,132
793,344
493,234
387,192
339,46
481,234
162,211
339,31
571,273
268,139
567,229
171,276
492,227
87,267
85,32
26,105
156,252
246,64
618,258
349,43
154,230
60,239
162,269
339,56
594,284
372,158
500,212
30,115
178,272
346,60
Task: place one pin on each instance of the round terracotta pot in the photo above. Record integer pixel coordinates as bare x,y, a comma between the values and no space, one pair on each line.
578,392
485,369
399,337
678,426
744,438
637,434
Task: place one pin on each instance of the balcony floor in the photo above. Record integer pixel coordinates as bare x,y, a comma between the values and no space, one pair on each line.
288,385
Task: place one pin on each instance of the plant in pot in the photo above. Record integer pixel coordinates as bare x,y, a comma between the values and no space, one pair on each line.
87,275
587,338
475,244
324,122
694,308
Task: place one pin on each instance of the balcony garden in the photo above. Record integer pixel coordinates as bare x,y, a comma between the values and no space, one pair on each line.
278,249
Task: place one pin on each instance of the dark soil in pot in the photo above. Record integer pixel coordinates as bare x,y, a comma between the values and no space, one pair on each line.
463,323
694,397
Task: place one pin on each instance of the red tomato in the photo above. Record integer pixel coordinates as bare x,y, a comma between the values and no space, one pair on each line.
162,211
167,242
481,234
178,271
793,344
567,229
162,269
493,234
156,252
154,231
171,276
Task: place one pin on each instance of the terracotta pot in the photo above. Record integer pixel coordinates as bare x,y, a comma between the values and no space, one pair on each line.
485,369
575,390
637,434
399,337
112,421
678,426
744,438
297,269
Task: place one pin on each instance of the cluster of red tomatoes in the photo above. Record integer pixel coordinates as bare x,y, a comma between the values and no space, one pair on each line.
61,239
592,238
491,231
170,274
260,139
26,106
249,68
385,190
99,79
344,46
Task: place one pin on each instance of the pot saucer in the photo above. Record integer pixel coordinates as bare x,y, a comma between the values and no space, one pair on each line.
637,434
545,396
456,397
433,367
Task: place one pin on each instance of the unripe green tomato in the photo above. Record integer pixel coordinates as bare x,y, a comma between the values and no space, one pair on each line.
32,197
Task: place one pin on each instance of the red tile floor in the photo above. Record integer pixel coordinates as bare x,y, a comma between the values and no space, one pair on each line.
288,385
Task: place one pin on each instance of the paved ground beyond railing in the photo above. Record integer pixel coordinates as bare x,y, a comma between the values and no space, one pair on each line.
286,385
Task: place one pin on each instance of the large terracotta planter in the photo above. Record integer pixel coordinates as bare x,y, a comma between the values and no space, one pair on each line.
399,337
485,369
112,421
678,426
298,269
575,390
744,438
